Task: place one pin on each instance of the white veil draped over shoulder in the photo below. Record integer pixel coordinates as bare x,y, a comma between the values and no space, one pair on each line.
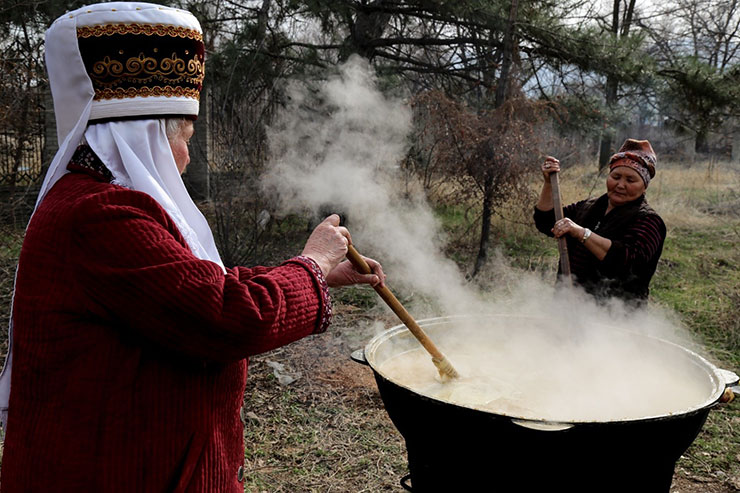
138,155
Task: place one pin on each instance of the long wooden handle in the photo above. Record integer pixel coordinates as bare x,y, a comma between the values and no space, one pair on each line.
562,244
439,359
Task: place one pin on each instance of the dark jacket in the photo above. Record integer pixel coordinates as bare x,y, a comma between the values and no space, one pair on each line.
637,233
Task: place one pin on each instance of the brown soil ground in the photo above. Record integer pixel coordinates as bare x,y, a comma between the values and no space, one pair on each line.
328,431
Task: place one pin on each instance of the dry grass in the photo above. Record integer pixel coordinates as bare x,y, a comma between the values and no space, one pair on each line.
327,431
702,195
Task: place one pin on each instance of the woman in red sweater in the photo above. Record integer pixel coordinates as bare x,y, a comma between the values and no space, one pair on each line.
129,337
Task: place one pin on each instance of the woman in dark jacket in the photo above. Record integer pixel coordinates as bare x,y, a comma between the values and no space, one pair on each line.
614,241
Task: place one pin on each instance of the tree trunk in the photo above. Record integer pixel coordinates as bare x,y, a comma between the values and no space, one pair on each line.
701,144
736,146
508,54
501,95
368,25
605,148
485,232
262,18
612,83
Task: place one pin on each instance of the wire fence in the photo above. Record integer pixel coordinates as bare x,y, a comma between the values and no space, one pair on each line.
20,159
22,142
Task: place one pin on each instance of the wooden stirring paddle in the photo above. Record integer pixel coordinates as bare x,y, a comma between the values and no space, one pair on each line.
562,245
445,368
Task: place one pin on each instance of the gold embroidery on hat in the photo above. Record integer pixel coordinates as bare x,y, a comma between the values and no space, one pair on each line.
144,92
146,29
109,72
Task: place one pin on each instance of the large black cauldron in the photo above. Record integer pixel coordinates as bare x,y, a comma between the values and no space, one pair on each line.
456,448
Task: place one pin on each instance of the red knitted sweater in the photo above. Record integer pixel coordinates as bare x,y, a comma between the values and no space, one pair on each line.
129,352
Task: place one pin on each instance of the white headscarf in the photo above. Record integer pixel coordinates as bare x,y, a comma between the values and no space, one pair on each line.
137,152
139,156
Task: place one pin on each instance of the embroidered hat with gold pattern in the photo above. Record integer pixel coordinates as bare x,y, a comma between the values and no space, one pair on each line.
134,59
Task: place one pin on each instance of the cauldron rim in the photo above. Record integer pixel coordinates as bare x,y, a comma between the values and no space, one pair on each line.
721,379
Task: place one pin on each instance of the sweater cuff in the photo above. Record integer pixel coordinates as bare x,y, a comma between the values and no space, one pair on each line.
325,312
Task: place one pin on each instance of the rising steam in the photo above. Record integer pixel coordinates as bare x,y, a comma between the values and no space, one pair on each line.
338,147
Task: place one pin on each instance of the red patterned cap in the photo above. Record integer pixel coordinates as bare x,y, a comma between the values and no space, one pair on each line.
638,155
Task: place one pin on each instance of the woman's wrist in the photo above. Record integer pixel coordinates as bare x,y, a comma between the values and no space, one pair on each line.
320,261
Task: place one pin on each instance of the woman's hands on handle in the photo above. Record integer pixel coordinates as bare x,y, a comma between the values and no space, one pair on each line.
345,274
549,166
567,227
596,244
327,246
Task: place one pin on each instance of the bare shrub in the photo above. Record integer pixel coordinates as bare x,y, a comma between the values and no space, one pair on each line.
487,154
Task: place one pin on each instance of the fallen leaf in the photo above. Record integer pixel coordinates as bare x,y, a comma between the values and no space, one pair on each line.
283,376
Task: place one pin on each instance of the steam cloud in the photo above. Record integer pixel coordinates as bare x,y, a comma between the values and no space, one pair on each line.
341,148
340,144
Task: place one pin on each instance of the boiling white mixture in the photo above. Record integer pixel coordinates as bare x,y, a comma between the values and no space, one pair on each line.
609,381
